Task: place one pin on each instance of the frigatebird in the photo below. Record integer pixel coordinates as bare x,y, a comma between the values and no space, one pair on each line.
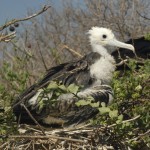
92,73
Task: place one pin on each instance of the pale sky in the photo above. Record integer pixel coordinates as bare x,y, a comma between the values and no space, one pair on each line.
11,9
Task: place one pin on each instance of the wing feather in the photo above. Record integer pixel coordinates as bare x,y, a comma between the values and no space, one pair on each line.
73,72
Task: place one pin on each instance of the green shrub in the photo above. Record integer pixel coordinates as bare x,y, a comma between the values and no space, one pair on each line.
126,121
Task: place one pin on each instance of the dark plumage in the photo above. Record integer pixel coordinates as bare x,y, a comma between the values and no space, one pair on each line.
142,49
92,73
76,72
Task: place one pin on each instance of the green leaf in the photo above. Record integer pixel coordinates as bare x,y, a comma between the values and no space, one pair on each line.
147,36
52,85
73,88
138,88
41,105
103,104
90,98
94,104
104,110
120,118
62,87
82,103
113,113
127,123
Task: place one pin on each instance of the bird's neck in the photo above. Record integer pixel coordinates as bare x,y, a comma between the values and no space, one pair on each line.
100,49
102,70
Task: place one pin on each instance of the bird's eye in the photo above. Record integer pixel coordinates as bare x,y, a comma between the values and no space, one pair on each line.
104,36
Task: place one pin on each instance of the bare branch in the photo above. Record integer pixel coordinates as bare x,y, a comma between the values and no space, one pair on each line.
141,135
129,120
46,137
32,118
24,19
142,16
8,37
73,51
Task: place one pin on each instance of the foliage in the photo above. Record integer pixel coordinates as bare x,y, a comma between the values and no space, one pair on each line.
147,36
131,100
127,117
50,94
127,120
13,82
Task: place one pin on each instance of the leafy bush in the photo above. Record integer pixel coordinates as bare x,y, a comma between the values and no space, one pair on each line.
126,121
131,101
14,81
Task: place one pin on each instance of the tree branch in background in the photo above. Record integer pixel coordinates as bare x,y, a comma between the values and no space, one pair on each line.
24,19
8,37
142,16
75,53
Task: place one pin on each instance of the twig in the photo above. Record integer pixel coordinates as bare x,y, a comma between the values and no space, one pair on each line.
44,147
122,62
129,120
33,129
3,145
32,117
142,16
19,48
33,146
72,51
24,19
46,137
132,119
78,127
28,145
147,132
8,37
42,58
141,135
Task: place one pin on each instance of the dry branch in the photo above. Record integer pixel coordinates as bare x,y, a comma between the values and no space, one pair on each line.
32,118
46,137
142,16
85,136
72,51
24,19
129,120
8,37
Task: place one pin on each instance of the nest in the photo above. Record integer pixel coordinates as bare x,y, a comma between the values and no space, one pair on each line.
85,137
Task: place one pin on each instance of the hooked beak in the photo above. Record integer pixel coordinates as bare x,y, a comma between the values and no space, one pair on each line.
117,43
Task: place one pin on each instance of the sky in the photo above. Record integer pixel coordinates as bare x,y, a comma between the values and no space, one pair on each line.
11,9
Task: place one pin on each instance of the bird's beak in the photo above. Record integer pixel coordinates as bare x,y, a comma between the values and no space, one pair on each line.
117,43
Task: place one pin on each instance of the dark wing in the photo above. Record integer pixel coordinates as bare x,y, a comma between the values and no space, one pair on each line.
142,49
73,72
